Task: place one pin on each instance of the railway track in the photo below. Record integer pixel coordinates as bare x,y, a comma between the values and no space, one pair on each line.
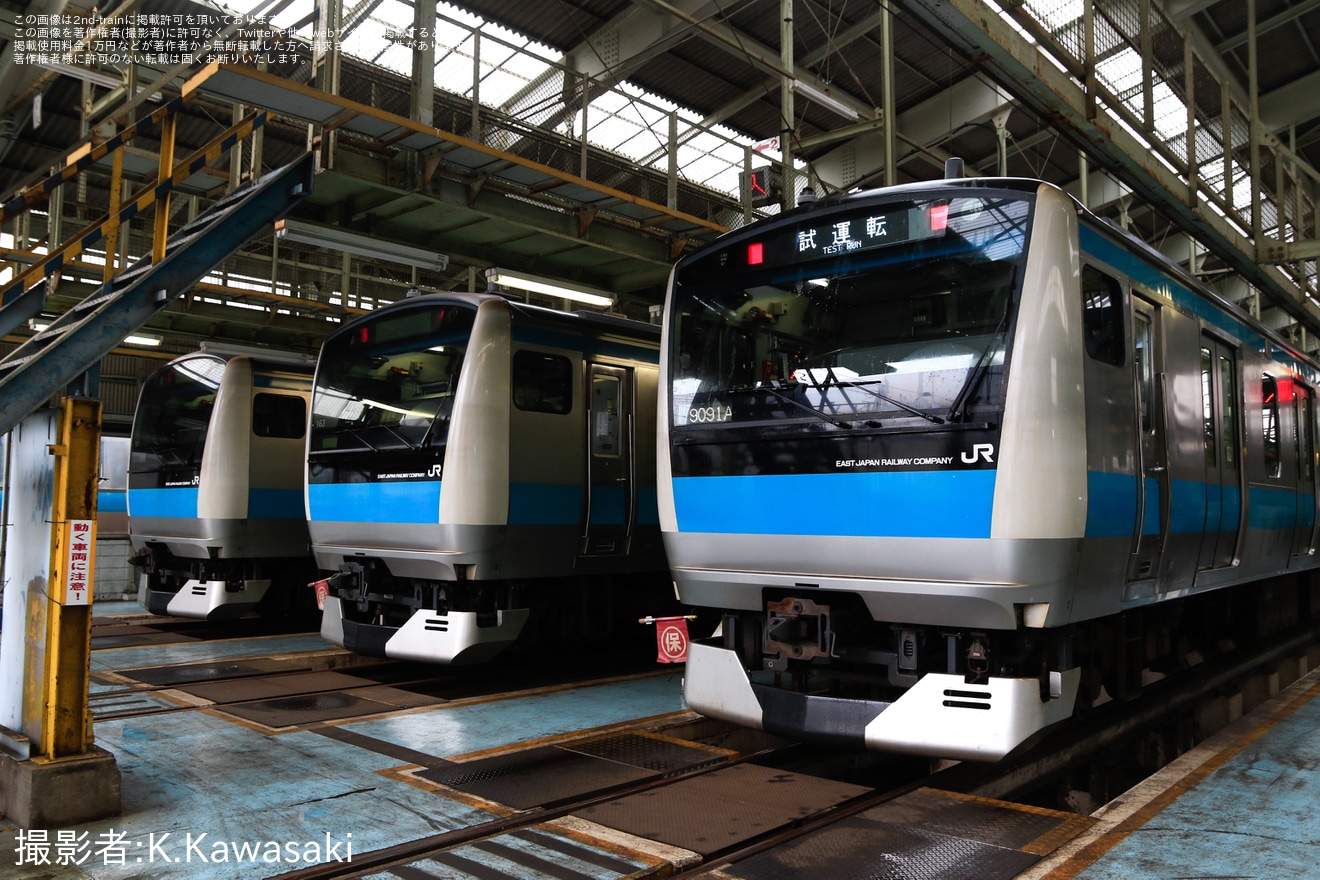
1105,728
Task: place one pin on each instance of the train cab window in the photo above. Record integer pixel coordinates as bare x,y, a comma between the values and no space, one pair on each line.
1102,298
283,416
1269,396
542,382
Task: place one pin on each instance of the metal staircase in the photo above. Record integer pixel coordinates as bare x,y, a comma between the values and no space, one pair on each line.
73,343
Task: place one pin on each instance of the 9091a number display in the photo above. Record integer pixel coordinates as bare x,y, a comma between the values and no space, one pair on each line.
710,414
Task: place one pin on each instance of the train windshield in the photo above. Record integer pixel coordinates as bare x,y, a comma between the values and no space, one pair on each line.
173,415
388,383
881,316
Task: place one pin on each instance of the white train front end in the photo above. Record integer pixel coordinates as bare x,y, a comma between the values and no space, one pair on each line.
470,459
215,486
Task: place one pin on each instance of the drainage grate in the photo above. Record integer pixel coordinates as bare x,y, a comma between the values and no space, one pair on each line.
648,752
859,847
924,835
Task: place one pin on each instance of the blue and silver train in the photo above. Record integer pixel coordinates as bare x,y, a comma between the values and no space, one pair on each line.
215,493
474,462
953,456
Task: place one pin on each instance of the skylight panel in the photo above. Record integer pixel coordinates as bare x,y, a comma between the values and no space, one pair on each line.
454,73
525,67
366,40
608,103
498,86
1121,72
397,58
452,38
702,168
494,55
1170,116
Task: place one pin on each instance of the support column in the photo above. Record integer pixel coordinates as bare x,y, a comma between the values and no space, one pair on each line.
671,189
326,34
786,108
421,101
1253,126
51,772
889,104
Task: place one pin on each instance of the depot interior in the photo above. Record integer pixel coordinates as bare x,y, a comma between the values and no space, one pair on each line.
568,153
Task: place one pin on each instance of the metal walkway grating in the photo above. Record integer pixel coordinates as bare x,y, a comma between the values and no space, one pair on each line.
924,835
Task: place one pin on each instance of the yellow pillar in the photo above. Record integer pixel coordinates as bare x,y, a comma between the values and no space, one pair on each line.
52,775
67,723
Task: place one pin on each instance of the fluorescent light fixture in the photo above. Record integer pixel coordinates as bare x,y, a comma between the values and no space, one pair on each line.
132,338
95,77
333,238
825,99
536,284
85,74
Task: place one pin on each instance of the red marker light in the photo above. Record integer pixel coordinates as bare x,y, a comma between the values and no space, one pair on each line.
755,253
364,334
939,217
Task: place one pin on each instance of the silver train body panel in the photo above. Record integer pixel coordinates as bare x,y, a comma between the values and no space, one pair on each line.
1083,512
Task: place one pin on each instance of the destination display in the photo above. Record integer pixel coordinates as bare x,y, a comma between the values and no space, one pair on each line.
839,237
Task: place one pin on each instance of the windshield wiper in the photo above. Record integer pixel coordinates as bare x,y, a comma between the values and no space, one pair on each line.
979,369
887,399
838,423
832,380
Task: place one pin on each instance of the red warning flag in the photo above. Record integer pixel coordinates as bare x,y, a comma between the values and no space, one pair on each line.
671,639
322,588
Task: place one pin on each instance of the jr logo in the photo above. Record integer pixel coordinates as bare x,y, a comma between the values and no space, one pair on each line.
980,450
435,470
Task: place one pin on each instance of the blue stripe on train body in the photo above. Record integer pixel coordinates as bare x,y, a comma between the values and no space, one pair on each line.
181,503
174,503
935,504
418,501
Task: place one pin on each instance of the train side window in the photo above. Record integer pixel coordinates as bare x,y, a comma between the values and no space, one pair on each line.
282,416
1269,397
1102,297
1229,390
1208,406
542,382
1305,434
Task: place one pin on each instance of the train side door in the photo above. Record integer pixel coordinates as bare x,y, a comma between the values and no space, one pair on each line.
1304,422
1222,431
611,490
1152,445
